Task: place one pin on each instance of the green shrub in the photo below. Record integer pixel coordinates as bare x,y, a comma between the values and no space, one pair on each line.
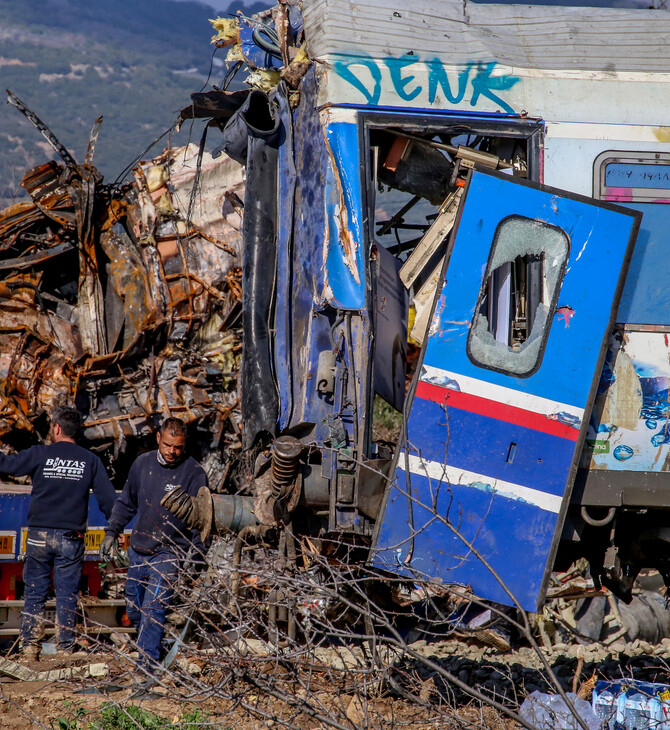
115,717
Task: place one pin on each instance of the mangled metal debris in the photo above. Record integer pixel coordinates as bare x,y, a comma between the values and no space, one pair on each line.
125,300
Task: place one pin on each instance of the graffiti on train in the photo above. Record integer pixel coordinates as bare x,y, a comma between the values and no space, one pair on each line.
424,82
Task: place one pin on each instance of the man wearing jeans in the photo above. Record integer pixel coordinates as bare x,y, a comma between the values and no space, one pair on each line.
159,539
62,475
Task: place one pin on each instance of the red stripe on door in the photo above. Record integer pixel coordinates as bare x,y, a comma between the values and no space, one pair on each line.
494,409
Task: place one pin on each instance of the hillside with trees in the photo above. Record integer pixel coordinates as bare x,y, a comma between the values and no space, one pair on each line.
71,61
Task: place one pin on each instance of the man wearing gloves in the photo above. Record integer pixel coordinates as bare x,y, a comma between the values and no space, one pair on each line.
62,475
159,539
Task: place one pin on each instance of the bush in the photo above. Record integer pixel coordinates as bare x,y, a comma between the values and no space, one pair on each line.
115,717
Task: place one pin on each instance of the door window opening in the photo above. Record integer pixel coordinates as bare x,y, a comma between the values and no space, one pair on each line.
517,301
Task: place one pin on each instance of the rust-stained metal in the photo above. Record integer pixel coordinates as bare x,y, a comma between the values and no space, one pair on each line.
123,300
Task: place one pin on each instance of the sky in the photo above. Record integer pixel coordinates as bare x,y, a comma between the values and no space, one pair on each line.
222,5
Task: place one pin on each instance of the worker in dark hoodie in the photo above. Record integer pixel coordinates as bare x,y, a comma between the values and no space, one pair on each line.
159,539
62,474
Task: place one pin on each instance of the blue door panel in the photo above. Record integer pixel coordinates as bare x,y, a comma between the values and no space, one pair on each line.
569,378
498,463
478,444
439,554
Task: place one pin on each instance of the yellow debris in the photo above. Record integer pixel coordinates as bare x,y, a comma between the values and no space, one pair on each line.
156,177
235,54
227,31
263,80
301,56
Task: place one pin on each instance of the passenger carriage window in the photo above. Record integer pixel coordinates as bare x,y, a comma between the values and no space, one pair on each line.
640,180
517,301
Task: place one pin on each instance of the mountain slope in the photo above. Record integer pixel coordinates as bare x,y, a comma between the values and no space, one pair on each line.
71,60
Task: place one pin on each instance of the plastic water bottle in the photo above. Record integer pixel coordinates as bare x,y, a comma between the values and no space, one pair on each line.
605,708
621,710
657,714
637,712
663,712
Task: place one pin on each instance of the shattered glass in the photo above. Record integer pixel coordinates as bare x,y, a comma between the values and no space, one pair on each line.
531,241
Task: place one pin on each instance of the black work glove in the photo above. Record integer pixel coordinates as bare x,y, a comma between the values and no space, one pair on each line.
180,504
194,512
107,547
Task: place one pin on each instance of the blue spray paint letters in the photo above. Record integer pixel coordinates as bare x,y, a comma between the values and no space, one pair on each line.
483,85
400,82
437,76
342,69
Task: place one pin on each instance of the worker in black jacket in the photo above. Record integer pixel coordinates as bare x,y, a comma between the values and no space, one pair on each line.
62,474
159,539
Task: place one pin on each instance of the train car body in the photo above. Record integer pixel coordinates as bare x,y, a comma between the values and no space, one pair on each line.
459,211
490,182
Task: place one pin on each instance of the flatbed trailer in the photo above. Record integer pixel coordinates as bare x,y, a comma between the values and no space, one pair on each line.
100,614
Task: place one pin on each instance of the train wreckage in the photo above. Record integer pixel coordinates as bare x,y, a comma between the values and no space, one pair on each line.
374,240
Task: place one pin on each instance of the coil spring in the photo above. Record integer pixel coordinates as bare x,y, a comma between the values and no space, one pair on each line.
285,453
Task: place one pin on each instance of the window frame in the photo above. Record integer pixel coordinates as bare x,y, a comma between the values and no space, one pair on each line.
621,157
532,131
551,305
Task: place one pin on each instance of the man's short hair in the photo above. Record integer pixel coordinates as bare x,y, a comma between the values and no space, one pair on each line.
174,426
69,420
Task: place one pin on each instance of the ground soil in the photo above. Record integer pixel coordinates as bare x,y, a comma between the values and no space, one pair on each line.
63,704
509,677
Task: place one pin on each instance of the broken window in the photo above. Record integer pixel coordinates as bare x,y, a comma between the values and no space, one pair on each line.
517,301
411,179
415,169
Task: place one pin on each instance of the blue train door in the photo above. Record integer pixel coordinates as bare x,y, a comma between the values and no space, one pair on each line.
498,415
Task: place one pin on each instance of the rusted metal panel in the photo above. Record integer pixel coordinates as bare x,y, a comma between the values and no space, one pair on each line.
25,262
15,219
119,300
